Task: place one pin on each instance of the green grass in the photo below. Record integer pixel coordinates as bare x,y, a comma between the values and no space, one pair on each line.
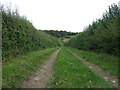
72,73
107,62
16,70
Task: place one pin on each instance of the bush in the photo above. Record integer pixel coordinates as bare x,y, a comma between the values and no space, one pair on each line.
102,35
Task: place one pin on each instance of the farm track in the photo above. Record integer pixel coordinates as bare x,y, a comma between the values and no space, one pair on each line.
111,79
43,74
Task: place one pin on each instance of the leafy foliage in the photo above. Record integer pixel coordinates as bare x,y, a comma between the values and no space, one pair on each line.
20,36
102,35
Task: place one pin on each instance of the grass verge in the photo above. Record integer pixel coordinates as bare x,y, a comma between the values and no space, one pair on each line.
107,62
72,73
17,70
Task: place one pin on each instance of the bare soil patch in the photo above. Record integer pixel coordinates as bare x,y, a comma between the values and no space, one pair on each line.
66,39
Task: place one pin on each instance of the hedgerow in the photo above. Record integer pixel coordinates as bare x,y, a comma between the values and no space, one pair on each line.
101,35
19,36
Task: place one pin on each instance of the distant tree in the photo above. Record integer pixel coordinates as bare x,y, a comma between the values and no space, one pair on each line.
59,34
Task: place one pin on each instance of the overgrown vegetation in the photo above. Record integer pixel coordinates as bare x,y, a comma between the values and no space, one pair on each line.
20,36
17,70
102,35
72,73
107,62
60,34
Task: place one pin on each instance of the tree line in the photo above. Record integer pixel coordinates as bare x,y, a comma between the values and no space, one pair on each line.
102,35
59,34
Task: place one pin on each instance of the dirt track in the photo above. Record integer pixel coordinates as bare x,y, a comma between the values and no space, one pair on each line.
112,80
43,75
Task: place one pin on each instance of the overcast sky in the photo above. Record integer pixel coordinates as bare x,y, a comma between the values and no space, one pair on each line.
69,15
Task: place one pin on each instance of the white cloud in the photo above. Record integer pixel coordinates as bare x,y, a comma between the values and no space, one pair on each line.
70,15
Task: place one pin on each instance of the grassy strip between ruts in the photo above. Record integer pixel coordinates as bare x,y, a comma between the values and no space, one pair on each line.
107,62
72,73
16,70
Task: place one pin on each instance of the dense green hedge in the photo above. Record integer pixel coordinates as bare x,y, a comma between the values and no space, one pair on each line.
20,36
102,35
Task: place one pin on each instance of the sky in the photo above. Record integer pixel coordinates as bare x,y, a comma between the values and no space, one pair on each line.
69,15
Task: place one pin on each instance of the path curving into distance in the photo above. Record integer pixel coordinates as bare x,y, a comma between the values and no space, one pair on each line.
43,74
111,79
